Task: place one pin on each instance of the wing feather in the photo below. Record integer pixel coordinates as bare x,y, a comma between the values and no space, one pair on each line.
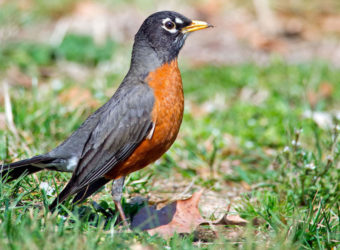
122,126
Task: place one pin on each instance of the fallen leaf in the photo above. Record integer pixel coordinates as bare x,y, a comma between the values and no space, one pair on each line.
181,216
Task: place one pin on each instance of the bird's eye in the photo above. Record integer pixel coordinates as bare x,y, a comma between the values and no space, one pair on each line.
169,25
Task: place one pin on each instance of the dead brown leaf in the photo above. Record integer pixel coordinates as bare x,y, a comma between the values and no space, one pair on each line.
180,216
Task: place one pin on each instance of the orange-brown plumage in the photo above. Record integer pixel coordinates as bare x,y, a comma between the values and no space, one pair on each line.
167,115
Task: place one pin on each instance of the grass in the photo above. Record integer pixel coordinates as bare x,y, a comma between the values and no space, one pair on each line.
250,116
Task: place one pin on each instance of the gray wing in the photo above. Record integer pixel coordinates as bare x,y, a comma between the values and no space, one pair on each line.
124,123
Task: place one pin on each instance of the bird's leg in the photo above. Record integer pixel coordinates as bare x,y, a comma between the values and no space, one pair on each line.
117,191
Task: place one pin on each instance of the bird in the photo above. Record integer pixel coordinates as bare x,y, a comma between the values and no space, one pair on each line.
134,128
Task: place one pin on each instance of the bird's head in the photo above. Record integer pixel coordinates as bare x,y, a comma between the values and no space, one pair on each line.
165,33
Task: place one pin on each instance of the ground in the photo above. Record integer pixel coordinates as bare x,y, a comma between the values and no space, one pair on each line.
259,134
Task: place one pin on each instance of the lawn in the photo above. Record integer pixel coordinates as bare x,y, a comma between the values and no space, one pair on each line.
263,139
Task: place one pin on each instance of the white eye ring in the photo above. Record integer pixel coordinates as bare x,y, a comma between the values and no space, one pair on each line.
169,25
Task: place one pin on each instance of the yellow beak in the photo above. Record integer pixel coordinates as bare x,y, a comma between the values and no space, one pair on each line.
196,25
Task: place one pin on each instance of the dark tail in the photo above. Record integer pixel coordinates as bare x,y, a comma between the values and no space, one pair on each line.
82,194
67,191
12,171
89,190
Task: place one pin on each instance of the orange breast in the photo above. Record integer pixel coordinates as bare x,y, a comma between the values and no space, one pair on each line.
167,114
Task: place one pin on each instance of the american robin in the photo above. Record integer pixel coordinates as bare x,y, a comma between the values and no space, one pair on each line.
135,127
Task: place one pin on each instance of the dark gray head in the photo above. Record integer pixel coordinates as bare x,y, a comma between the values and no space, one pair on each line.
161,37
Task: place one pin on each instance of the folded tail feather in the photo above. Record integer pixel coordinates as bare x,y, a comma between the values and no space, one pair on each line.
89,190
82,194
12,171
